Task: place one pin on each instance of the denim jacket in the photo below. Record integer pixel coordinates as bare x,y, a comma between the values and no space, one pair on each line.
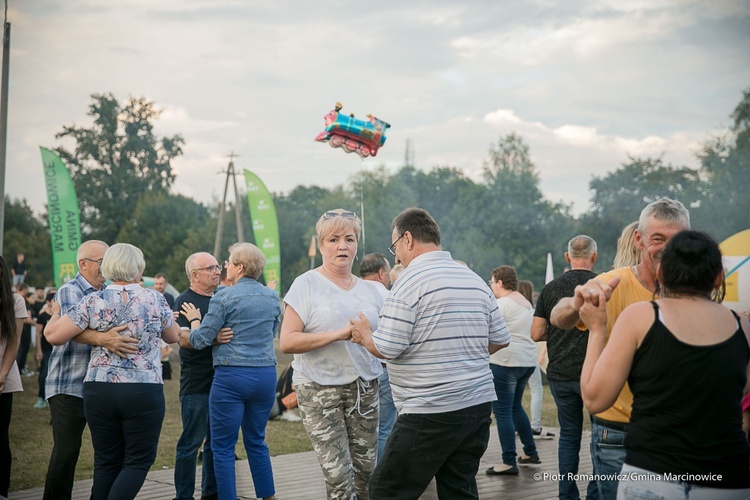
252,311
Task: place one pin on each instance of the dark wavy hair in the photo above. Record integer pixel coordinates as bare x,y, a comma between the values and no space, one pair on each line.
690,264
8,331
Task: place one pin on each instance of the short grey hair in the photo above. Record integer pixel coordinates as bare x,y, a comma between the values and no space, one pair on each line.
123,262
665,210
83,250
581,247
250,257
190,262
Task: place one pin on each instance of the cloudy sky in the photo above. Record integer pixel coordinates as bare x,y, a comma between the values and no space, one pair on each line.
584,82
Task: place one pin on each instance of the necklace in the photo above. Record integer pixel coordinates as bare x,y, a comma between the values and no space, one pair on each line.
346,286
637,274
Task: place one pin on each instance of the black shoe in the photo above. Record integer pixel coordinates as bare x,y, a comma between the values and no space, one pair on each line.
533,459
513,471
542,434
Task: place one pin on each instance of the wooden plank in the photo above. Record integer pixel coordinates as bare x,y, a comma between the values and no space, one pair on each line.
298,477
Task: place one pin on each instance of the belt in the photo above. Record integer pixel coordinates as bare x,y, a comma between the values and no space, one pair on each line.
618,426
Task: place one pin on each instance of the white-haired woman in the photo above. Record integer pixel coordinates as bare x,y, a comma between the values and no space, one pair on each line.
335,379
244,385
123,397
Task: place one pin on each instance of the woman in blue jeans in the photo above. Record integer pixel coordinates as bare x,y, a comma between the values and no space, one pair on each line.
244,385
511,369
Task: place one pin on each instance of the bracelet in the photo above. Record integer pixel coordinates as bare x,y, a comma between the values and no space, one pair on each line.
195,319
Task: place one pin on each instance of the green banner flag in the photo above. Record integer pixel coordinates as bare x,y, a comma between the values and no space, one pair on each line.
64,218
265,226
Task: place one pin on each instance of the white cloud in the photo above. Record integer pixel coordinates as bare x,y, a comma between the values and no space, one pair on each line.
584,83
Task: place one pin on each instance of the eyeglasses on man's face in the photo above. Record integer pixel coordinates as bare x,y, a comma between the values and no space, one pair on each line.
392,248
97,261
345,214
210,269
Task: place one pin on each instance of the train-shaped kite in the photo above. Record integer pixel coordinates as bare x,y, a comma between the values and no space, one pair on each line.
353,135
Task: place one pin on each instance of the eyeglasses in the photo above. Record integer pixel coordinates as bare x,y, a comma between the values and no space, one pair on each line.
211,269
345,214
98,261
391,248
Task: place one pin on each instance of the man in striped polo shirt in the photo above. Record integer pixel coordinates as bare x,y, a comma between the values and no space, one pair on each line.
437,329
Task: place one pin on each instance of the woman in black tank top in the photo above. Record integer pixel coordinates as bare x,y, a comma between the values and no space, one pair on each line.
685,358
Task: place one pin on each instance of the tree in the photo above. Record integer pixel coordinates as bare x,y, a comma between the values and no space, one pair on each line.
620,196
27,234
168,228
725,166
510,222
117,160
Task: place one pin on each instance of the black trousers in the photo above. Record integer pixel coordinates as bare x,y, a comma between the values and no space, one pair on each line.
446,446
68,422
6,409
125,422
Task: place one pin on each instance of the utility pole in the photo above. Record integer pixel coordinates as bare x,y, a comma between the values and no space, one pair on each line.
4,121
237,210
409,154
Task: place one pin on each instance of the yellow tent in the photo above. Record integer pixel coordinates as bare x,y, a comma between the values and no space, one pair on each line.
736,252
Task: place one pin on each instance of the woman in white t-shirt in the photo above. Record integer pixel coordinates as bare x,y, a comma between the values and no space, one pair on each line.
12,314
335,379
511,369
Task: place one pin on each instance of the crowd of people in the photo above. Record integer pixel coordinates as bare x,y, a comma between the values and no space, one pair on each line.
398,372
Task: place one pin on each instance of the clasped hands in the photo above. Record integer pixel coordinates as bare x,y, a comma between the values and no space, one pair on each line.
360,329
590,299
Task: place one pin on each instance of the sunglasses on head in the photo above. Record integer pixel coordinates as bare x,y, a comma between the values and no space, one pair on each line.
345,214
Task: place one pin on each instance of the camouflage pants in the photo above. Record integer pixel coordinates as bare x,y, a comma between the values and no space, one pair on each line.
343,433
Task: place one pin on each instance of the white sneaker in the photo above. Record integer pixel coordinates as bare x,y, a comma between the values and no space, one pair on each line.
290,416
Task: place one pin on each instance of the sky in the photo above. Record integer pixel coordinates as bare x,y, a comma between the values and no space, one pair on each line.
585,83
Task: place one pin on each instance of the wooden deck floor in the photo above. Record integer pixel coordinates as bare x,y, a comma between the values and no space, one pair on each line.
298,477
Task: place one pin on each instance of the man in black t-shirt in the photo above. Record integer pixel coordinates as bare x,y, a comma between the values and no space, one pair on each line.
567,350
196,376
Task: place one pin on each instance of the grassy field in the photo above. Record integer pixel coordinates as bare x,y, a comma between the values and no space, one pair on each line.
31,433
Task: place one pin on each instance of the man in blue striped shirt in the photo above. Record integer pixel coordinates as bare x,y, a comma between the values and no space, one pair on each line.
437,329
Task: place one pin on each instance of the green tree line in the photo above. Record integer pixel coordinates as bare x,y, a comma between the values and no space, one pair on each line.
123,176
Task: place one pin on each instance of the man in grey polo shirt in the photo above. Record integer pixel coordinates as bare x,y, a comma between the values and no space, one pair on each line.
437,329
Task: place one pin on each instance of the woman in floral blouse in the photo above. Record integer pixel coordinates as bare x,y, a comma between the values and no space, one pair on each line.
123,397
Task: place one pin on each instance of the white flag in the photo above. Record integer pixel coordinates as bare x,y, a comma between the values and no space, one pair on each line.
550,274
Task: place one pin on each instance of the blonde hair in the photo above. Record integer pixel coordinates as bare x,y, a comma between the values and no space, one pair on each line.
329,224
628,254
250,257
396,271
123,262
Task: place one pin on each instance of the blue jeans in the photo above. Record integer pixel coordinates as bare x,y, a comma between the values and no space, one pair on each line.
447,446
567,395
43,372
195,429
608,455
242,396
388,412
510,382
